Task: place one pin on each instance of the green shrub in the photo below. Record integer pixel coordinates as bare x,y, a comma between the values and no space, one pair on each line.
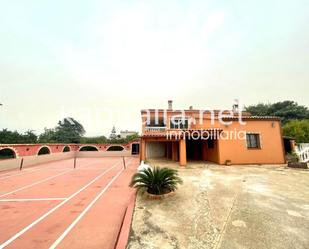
298,129
292,157
156,181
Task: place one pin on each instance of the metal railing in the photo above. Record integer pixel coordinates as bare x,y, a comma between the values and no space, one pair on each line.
155,128
302,151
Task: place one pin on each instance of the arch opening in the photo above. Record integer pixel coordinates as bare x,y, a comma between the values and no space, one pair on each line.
44,151
7,153
66,149
115,148
88,148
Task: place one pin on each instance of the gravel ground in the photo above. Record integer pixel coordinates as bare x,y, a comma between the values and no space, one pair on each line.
226,207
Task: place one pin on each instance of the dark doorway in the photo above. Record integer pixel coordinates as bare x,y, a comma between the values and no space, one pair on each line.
135,149
287,144
194,149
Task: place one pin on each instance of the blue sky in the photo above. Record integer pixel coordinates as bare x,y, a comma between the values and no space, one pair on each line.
102,61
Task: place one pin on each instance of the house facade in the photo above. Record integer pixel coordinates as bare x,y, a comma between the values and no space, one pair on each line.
219,136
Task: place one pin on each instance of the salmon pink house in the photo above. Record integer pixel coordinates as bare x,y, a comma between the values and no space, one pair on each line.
219,136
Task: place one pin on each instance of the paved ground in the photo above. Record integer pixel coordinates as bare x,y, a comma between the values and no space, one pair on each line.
227,207
53,205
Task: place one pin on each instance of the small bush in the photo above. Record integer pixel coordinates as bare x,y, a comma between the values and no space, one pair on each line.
156,181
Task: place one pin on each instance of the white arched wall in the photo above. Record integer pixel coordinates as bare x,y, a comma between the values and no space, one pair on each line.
50,151
65,147
89,145
116,145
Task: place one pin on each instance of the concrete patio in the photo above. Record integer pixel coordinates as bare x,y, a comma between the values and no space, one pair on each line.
226,207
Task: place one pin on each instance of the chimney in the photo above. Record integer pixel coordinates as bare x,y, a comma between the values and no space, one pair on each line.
170,105
191,108
236,105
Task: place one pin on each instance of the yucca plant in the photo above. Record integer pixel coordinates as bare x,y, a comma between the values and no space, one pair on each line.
156,181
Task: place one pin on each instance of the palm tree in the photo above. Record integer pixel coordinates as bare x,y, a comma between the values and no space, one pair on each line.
156,181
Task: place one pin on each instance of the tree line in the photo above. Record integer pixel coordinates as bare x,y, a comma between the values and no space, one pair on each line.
295,117
67,130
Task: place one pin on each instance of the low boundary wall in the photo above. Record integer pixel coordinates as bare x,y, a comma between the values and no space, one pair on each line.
10,164
29,153
82,154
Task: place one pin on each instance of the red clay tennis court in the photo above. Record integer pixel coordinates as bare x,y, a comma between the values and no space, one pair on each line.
53,205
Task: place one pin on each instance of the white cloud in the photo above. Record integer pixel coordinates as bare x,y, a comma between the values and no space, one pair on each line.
129,51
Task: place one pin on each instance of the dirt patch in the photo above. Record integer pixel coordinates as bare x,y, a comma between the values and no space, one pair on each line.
226,207
182,220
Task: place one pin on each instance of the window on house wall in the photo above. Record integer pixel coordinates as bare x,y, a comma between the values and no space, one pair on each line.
179,123
253,141
135,149
156,123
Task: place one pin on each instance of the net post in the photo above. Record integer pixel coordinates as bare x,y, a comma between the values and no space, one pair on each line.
124,163
75,160
21,164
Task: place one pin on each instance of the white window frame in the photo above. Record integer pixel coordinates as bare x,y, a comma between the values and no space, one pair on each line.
179,118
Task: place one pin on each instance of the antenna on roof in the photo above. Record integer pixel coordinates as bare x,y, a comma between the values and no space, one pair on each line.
236,105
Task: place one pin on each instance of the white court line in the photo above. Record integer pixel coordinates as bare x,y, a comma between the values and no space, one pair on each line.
21,173
65,233
14,237
41,181
32,199
35,183
41,166
25,172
